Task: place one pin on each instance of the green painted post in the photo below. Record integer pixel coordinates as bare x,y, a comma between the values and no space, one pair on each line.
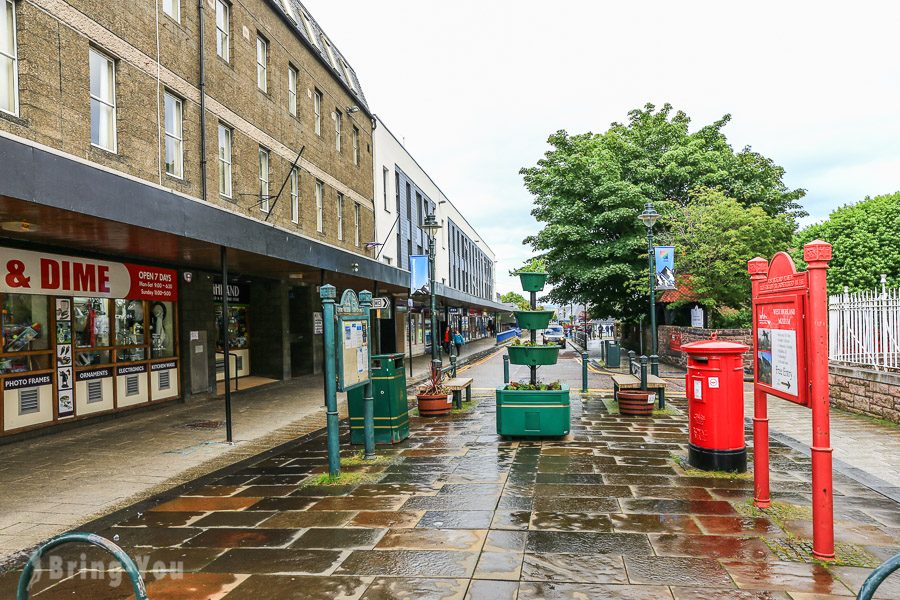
137,584
584,372
505,368
327,293
365,303
643,372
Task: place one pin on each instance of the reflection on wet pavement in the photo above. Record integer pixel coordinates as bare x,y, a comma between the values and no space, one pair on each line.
461,513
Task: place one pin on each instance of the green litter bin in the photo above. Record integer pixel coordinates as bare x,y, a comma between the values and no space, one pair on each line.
391,404
613,355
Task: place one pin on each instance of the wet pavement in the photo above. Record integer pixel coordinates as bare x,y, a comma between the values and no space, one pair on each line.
458,512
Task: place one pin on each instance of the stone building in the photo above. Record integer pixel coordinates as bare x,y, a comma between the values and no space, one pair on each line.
145,148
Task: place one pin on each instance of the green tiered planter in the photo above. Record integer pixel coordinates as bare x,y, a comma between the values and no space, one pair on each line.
533,413
534,319
533,355
532,282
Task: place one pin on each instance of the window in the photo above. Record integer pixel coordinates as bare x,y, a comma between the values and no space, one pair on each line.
330,51
355,145
340,216
9,62
338,123
384,177
295,195
356,224
262,58
292,91
263,179
174,136
419,205
349,76
317,110
103,101
223,29
173,9
320,206
307,26
225,135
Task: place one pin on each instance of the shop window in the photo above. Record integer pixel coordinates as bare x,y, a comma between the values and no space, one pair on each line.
24,323
91,320
162,329
130,330
238,331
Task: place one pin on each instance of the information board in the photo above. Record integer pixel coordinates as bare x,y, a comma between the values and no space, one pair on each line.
353,352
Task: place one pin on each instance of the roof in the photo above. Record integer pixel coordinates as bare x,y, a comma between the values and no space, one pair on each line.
300,18
684,292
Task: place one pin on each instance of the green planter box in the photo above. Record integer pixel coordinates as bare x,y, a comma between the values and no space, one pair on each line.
533,413
533,355
532,282
534,319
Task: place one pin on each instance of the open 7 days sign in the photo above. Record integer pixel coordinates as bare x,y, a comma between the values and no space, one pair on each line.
26,272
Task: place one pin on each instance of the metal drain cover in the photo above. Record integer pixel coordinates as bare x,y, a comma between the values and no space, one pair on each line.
205,424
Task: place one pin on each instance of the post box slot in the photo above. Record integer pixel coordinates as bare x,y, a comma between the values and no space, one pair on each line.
700,359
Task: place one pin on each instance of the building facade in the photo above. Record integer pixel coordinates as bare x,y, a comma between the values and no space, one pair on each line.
155,159
464,265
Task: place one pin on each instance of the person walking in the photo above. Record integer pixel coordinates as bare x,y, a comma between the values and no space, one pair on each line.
458,341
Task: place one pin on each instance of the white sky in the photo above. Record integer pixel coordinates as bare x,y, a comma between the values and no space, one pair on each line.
475,88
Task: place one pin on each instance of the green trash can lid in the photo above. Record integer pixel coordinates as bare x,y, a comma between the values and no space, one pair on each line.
393,356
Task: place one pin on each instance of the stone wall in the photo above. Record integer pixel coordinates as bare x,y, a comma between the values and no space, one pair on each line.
865,391
672,337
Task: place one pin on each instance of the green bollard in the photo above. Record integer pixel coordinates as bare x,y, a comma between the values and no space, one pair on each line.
654,365
137,584
505,368
327,293
584,372
365,303
643,372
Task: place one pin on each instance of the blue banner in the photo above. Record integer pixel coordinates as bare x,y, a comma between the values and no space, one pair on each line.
665,267
418,275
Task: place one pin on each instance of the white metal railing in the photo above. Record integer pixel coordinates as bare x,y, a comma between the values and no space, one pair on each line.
864,327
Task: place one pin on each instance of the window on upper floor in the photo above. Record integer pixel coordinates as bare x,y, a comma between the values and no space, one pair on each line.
421,216
320,206
295,195
263,179
331,55
293,75
103,101
225,147
338,125
307,26
173,9
340,216
174,124
262,62
317,111
223,30
409,211
348,75
385,179
356,145
9,59
356,224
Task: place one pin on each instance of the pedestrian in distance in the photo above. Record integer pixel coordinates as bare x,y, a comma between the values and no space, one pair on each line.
458,341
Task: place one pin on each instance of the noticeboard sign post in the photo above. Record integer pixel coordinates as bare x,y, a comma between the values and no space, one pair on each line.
790,350
352,343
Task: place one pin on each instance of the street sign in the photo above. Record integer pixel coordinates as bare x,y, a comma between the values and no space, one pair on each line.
380,303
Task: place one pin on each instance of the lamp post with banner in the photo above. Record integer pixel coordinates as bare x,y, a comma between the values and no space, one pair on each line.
649,218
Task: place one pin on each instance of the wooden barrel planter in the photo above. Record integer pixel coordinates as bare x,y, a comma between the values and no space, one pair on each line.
434,405
634,403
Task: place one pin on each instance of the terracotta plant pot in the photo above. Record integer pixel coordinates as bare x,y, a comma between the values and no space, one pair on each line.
634,403
434,405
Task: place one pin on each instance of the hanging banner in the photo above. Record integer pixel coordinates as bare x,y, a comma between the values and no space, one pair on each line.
27,272
418,275
665,267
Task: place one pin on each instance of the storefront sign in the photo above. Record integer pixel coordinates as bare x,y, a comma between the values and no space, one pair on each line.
163,366
93,374
27,381
129,369
237,293
665,267
26,272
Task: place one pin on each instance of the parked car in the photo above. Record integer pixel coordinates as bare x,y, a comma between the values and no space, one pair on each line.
554,335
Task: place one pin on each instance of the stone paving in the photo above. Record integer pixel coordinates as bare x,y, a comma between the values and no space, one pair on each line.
457,512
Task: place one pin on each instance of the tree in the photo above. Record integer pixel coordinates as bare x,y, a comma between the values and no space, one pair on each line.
517,299
590,188
864,239
714,237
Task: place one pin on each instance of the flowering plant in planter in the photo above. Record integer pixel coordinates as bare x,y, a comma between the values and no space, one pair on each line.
520,342
433,397
538,387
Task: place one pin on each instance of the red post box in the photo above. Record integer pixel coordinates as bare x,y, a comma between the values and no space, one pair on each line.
715,393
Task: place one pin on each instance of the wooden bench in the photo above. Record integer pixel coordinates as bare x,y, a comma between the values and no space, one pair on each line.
457,385
632,381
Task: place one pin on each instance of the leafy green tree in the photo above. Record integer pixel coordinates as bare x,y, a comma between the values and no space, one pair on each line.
714,237
590,188
864,239
517,299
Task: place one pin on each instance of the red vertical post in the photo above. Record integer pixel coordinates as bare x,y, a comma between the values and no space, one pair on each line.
817,254
759,269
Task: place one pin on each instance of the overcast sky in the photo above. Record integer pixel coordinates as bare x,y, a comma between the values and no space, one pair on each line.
475,88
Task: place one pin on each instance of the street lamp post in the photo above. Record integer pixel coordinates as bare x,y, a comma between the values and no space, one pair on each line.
649,218
431,227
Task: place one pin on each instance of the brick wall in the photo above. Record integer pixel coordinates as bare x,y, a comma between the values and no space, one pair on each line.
671,337
865,391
